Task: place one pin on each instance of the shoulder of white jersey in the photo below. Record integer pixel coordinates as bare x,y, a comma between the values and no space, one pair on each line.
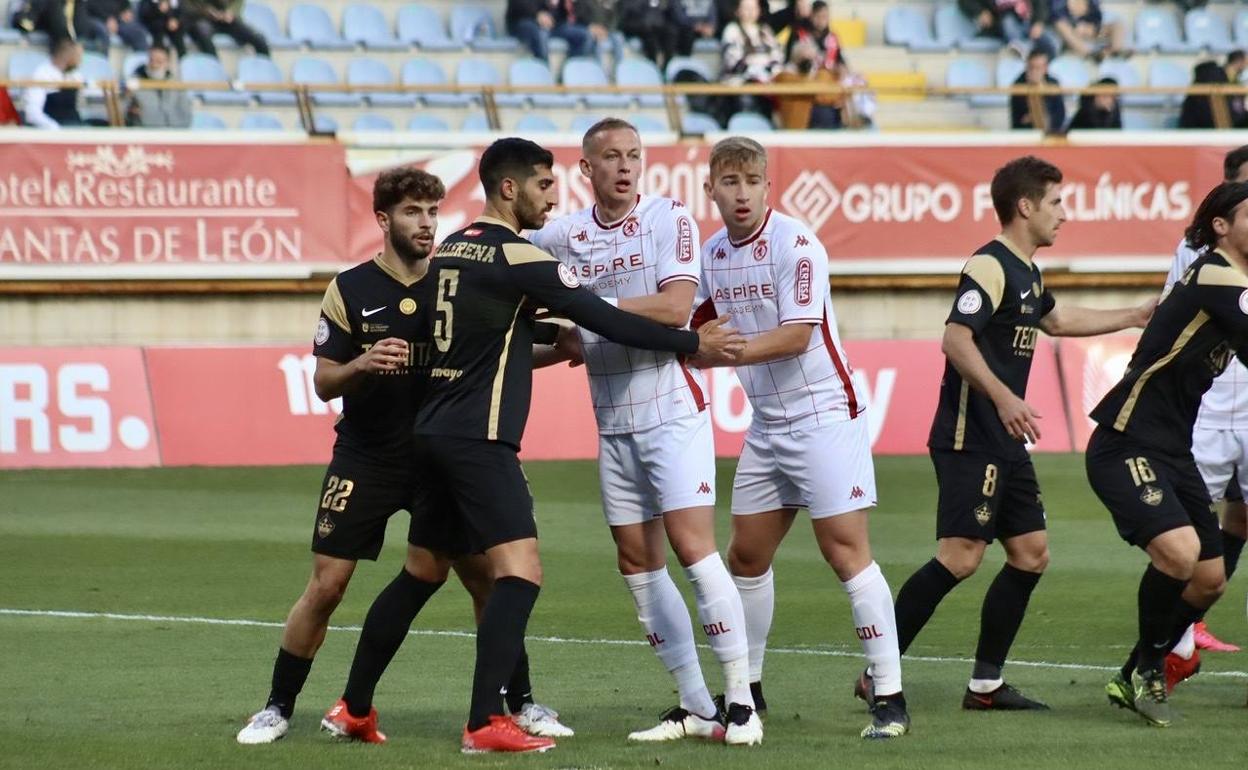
552,233
716,240
791,235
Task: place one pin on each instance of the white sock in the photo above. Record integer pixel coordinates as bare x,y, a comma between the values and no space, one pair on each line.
876,625
758,600
984,686
1186,647
665,619
723,622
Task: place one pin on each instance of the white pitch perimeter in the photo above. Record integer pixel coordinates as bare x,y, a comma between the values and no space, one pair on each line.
247,623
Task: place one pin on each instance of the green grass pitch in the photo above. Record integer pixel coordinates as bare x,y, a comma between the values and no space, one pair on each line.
220,544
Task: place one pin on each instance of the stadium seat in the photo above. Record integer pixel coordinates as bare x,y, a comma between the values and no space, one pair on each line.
678,63
1135,120
474,25
536,124
648,125
640,72
698,123
969,73
586,71
1166,73
364,71
955,30
909,26
706,45
749,122
311,24
477,72
203,121
582,123
10,36
261,69
1157,30
422,72
94,69
371,122
477,121
201,68
1008,70
1127,75
1241,28
310,70
324,124
431,123
1070,72
132,62
263,19
365,25
1206,29
260,121
421,25
534,72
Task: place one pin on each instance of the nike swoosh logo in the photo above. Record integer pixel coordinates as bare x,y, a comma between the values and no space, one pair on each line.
1024,294
366,312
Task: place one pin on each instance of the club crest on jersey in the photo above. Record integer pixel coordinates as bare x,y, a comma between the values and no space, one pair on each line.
684,241
472,232
801,288
970,302
322,331
631,227
983,514
568,277
760,251
407,306
1152,496
324,526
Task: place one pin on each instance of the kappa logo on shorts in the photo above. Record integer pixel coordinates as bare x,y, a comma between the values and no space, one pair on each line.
704,488
983,514
1152,496
324,526
856,493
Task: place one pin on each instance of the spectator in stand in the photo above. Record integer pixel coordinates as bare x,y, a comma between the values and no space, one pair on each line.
158,107
1085,30
1197,110
160,17
203,18
117,18
750,55
813,51
534,22
1097,110
54,17
703,16
1022,24
44,107
1037,73
793,24
600,18
661,25
1236,62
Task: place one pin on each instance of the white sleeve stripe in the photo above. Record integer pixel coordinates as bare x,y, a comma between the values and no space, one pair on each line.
680,277
788,321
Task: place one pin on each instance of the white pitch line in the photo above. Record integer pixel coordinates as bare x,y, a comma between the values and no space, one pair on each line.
245,622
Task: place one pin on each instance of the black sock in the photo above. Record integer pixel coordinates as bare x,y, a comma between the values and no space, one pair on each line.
289,673
519,688
1232,547
1133,660
385,626
1005,603
917,600
500,637
1159,597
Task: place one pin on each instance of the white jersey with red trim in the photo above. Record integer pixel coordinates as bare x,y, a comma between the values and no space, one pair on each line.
775,277
654,244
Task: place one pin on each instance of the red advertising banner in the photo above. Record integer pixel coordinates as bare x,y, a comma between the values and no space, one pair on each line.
75,408
1090,367
158,205
889,201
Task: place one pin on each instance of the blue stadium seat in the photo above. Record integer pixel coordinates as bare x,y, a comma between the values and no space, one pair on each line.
955,30
749,122
968,73
534,72
474,25
1135,120
132,61
648,125
640,72
261,69
203,121
706,45
95,68
909,26
371,122
586,71
198,67
582,123
1157,30
1205,29
536,124
324,124
698,123
311,24
421,25
417,72
475,122
1241,28
430,123
263,19
365,25
678,63
364,71
10,36
476,72
1070,72
1127,75
1008,70
1166,73
260,121
309,70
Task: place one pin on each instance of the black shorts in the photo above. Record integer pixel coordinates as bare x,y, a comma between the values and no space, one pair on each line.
472,488
1149,493
358,497
985,496
1233,493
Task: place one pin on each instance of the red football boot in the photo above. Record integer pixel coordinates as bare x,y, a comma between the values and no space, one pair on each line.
502,734
1179,669
339,722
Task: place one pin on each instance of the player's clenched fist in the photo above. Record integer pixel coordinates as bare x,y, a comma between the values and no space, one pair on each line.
385,356
718,343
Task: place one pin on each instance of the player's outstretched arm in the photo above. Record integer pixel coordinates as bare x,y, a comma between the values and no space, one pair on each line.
1019,419
333,379
564,345
671,306
1065,321
779,343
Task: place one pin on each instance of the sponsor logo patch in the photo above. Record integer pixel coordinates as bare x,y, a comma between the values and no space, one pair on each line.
567,276
472,232
970,302
1243,302
684,241
801,288
322,331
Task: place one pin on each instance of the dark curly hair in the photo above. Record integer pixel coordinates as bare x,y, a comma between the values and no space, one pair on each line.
1218,204
394,185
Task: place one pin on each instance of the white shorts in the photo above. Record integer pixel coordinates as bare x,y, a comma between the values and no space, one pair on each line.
666,468
827,470
1219,455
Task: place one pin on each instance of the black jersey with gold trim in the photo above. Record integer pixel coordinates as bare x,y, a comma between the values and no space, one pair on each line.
1201,322
488,284
1001,297
362,306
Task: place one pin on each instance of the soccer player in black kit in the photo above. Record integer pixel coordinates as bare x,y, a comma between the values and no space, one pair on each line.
987,485
1139,458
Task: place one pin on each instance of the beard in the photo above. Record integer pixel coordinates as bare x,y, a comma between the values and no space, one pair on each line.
407,251
530,215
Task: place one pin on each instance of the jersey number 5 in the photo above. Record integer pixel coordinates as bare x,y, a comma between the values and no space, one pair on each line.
443,327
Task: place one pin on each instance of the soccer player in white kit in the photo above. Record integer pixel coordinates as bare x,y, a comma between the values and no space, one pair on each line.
808,445
656,452
1220,446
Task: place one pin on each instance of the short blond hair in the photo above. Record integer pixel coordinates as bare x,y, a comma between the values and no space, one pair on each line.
604,125
737,152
